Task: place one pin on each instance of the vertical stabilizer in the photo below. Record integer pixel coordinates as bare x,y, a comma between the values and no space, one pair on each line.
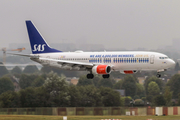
38,44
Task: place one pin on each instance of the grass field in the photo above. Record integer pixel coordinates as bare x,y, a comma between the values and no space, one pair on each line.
38,117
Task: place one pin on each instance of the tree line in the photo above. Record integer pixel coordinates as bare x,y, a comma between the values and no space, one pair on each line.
54,91
38,87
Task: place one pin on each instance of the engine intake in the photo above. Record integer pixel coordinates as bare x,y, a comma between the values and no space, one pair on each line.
101,69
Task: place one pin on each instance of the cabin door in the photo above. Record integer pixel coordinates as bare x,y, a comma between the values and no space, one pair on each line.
152,59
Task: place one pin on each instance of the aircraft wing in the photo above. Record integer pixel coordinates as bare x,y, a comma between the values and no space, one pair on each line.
69,63
72,64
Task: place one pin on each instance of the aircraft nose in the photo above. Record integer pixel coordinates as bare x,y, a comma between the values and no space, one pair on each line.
171,63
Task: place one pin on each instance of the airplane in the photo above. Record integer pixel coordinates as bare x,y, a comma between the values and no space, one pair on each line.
103,63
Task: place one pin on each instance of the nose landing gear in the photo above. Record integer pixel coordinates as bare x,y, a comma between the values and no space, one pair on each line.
158,75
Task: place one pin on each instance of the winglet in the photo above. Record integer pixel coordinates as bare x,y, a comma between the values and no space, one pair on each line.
38,44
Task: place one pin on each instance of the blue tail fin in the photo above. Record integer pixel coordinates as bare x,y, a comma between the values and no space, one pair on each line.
38,44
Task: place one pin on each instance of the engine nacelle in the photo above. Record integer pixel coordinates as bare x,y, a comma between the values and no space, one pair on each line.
101,69
128,71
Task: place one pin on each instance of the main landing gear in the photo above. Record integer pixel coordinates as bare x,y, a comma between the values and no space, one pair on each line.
91,76
106,76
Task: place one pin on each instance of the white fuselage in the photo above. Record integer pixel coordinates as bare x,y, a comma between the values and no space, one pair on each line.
119,61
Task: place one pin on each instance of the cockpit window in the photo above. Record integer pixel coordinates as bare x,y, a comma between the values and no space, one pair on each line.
163,57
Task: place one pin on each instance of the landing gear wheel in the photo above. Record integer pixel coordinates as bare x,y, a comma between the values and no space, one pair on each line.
90,76
106,76
158,75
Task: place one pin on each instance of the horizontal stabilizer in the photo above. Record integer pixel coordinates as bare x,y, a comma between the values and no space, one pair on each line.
25,55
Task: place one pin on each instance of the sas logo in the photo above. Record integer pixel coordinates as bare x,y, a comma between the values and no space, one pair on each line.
39,48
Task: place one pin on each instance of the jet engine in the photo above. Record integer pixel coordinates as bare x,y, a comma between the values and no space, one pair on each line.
101,69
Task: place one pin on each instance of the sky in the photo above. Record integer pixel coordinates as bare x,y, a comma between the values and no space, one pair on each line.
125,24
